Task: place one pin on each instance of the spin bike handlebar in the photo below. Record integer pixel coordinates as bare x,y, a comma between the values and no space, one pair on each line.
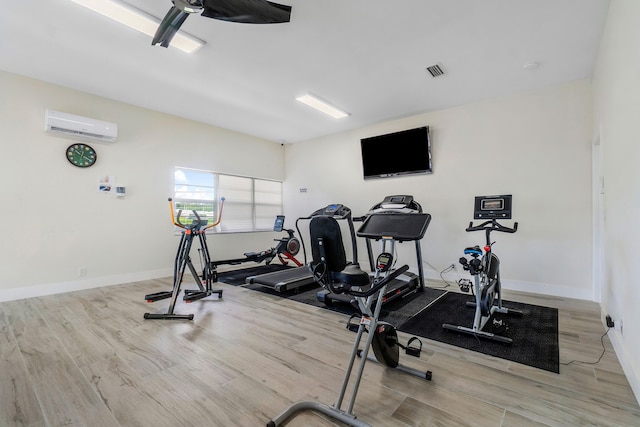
492,225
489,226
177,222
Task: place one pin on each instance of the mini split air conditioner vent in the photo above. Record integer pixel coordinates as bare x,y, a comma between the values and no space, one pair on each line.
77,127
435,70
79,133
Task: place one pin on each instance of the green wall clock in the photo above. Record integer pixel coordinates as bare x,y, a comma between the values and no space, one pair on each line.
81,155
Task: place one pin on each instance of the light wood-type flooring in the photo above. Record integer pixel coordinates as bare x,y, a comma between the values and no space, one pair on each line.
88,358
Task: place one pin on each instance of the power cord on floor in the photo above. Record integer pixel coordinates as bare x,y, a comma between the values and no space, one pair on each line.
599,358
446,270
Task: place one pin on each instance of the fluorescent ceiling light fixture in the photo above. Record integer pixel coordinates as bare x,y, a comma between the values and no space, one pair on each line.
139,20
323,106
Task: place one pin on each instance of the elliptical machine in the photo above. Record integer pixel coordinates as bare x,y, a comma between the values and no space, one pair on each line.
485,268
197,229
331,270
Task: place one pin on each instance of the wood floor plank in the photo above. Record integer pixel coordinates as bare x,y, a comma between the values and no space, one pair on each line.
18,402
515,420
119,387
89,358
65,395
419,414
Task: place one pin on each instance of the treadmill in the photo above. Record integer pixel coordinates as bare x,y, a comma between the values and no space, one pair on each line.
293,278
398,218
283,280
288,278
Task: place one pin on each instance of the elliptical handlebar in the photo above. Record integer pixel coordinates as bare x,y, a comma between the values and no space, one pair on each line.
175,219
195,224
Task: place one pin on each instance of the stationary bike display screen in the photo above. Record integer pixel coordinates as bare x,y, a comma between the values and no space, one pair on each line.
384,261
492,207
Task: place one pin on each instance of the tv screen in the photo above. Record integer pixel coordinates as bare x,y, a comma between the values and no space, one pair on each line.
399,153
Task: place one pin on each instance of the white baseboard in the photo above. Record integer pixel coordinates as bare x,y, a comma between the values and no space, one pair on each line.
529,287
626,361
17,293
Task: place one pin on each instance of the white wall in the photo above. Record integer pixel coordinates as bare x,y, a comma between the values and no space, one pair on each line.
54,218
616,112
536,146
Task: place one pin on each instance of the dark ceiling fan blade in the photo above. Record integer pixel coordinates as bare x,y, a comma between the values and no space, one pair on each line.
247,11
169,27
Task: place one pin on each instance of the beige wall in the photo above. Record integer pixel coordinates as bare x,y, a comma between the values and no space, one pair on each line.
55,220
616,112
536,146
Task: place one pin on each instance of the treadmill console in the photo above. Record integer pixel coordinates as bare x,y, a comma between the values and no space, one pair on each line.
397,203
492,207
338,210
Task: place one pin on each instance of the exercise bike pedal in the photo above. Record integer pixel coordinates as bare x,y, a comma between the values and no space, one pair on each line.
413,351
158,296
353,327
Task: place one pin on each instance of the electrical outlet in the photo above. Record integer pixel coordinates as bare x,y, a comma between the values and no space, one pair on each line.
618,326
610,322
82,271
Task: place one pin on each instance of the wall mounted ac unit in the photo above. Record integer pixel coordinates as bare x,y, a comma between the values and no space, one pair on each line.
78,127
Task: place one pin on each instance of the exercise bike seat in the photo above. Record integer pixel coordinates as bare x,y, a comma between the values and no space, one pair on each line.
474,251
351,275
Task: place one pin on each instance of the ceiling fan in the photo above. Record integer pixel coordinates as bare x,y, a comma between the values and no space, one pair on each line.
242,11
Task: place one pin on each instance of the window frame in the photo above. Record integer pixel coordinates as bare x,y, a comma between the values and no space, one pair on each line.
253,220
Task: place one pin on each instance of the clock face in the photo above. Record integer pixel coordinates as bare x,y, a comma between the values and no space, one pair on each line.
81,155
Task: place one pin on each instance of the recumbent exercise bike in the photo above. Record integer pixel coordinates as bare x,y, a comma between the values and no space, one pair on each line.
332,271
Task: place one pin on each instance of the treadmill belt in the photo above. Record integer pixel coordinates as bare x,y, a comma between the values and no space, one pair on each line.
283,280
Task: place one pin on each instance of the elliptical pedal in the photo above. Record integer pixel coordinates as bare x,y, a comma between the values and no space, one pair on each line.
158,296
191,295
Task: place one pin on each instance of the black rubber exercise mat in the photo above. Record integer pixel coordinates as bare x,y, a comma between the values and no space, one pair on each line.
534,335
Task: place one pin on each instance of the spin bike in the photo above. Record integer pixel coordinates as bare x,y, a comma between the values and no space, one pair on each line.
485,268
197,229
332,271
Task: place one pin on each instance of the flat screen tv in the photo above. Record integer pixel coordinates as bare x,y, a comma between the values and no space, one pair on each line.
396,154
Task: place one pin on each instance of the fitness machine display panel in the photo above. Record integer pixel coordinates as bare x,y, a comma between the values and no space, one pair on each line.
398,226
492,207
279,224
384,262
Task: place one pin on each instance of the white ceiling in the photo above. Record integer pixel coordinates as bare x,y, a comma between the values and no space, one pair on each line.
365,56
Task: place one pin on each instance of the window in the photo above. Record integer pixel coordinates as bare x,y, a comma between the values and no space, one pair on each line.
251,204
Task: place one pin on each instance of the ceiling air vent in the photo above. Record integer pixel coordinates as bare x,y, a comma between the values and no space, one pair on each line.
435,71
